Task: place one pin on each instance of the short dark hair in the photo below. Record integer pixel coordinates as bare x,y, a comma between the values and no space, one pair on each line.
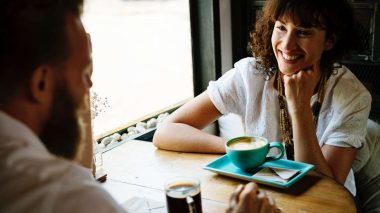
32,32
333,16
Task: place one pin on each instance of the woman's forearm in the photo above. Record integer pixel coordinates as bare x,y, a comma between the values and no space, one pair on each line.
183,137
306,146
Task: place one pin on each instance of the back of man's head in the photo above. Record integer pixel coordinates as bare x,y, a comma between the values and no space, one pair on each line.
32,33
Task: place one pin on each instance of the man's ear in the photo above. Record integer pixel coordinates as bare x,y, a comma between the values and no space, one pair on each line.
330,42
41,84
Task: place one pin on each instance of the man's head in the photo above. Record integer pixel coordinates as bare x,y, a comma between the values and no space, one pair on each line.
45,68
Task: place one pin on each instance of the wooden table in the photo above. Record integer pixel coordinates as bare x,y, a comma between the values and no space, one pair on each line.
137,168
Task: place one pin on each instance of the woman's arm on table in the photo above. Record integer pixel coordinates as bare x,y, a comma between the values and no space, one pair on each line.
182,130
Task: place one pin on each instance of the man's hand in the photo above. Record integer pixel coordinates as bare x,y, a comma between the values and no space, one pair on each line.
85,150
249,199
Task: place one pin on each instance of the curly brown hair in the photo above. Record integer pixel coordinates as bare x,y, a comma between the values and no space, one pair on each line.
333,16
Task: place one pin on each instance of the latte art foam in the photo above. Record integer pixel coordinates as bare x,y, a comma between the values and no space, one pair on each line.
246,144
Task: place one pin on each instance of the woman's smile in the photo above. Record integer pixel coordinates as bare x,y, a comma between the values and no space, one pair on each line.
289,58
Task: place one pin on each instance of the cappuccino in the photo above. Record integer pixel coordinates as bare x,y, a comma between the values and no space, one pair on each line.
247,143
248,152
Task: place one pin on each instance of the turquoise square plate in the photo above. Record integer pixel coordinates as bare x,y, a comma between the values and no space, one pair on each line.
224,166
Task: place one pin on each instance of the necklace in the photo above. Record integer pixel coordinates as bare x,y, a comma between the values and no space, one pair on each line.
285,121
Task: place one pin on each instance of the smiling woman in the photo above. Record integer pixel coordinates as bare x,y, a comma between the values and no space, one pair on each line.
142,58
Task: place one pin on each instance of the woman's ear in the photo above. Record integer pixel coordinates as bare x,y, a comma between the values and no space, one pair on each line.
330,42
41,84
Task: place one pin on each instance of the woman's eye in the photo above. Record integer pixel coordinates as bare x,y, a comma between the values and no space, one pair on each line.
304,33
281,28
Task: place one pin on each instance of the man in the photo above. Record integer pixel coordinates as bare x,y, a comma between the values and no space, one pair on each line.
45,71
44,79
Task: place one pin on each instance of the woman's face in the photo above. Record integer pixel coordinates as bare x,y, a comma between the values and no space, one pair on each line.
297,48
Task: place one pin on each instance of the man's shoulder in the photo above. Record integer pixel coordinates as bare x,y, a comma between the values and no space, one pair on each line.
36,169
48,184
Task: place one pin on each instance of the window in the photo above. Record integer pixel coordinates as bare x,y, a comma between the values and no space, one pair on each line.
142,58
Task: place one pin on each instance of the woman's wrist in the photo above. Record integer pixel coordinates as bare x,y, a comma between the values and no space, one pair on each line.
299,110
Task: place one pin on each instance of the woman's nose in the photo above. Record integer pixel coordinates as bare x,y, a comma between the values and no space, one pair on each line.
289,41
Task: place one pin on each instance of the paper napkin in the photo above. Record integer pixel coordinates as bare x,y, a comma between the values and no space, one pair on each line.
144,205
281,175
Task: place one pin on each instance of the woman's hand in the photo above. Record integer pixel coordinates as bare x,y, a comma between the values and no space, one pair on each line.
300,87
250,199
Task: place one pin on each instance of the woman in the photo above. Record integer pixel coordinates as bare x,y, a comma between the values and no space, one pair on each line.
291,90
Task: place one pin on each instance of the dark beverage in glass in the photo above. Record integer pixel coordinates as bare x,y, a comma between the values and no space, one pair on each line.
183,195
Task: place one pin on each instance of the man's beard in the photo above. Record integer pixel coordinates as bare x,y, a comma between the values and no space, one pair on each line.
62,132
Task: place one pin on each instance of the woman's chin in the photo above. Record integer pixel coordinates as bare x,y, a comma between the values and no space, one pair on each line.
288,72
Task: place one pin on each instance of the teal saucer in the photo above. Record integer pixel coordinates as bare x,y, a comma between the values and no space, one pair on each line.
224,166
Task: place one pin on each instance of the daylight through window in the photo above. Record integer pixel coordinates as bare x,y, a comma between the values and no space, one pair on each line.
142,58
